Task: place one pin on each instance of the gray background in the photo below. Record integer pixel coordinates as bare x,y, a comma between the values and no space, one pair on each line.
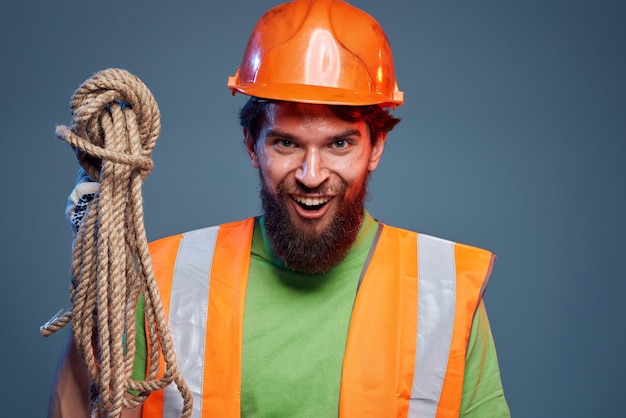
512,139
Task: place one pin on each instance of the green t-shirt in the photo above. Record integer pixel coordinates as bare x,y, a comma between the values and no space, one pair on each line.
295,331
483,396
141,348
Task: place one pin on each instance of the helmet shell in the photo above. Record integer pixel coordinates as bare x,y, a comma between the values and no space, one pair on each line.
318,51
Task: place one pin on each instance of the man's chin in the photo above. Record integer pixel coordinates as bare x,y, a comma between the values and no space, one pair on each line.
311,228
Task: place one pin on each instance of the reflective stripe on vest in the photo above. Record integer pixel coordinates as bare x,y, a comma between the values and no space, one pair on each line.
405,354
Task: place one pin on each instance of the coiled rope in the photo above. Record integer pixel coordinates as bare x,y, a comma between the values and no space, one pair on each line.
115,125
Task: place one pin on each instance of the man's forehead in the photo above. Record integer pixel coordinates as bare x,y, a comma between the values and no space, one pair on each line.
304,112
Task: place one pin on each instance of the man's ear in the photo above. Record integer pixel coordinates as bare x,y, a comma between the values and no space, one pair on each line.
251,148
377,151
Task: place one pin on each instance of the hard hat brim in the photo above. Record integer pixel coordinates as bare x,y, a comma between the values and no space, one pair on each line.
314,94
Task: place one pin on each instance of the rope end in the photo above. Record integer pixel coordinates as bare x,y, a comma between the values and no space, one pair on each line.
58,321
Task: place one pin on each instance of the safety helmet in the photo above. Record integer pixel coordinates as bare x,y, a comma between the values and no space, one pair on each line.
318,51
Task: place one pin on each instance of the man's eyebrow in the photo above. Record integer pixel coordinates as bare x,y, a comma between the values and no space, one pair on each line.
277,133
347,134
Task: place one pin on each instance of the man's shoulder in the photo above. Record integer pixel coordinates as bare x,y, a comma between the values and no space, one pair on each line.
176,238
430,238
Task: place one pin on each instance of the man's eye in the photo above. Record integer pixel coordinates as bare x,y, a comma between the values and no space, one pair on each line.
286,143
341,143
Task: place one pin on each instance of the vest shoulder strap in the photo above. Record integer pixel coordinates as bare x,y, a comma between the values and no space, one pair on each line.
202,276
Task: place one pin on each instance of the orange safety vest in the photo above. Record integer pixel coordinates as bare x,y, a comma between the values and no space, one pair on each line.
410,325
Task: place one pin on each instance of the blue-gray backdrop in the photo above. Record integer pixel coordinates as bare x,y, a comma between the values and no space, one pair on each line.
513,139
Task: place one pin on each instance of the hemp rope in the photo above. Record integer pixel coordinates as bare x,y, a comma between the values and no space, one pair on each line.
115,125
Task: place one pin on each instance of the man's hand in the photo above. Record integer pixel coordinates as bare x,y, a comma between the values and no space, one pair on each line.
84,191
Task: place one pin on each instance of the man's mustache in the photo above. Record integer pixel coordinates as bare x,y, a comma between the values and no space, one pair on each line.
288,187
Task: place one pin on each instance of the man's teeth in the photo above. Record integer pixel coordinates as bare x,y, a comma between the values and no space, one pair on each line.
312,201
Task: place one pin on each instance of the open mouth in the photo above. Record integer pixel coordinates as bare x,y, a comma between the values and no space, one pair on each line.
311,203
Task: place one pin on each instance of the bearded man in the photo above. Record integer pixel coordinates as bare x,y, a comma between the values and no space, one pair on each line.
314,308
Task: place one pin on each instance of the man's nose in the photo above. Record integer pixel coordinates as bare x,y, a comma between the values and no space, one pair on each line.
312,171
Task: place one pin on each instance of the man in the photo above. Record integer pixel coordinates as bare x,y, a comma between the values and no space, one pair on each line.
315,309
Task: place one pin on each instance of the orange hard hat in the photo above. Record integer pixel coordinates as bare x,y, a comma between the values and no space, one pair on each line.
318,51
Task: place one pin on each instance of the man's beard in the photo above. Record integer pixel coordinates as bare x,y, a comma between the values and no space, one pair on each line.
305,249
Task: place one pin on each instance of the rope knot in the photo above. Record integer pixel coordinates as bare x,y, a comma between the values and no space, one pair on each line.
115,118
